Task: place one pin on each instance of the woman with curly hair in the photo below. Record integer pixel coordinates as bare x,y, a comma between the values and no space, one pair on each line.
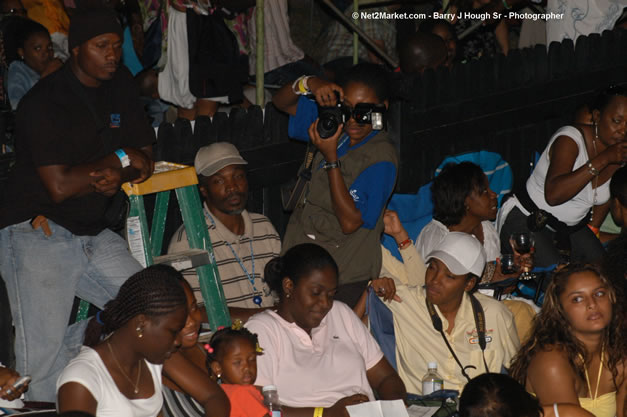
575,354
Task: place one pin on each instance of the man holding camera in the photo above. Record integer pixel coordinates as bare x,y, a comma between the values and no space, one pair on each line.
353,171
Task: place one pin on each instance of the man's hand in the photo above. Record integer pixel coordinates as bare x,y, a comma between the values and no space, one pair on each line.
324,91
107,181
327,147
8,377
142,163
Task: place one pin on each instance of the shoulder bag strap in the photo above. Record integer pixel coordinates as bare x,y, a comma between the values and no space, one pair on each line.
437,325
304,176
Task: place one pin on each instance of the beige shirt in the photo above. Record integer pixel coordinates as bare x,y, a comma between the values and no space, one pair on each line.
418,343
238,289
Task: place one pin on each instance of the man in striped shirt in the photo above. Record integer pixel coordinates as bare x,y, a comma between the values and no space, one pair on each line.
242,242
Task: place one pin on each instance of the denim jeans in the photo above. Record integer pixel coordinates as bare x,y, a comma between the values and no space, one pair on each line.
42,275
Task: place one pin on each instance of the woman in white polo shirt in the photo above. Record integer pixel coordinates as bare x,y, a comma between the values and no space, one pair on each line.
317,352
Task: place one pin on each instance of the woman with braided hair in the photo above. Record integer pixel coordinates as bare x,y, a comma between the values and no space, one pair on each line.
118,371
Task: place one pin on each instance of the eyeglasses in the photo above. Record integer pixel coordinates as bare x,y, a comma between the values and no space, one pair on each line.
11,12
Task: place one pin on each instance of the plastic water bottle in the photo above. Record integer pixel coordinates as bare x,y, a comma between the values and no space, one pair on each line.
432,381
271,400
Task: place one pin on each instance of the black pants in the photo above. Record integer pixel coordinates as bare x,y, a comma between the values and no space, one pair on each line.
584,245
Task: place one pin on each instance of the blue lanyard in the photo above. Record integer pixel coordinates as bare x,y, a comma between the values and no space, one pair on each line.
256,299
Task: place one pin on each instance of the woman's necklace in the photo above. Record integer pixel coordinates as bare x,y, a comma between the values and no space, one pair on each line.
596,177
596,391
139,371
251,276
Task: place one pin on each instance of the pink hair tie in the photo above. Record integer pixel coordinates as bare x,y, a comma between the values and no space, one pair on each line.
208,348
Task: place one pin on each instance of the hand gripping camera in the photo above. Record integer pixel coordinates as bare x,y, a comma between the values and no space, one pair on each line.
364,113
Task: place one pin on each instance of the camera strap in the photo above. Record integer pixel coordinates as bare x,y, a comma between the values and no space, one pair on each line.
303,178
479,316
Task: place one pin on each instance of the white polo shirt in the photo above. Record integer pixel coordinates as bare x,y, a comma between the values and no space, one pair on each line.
319,370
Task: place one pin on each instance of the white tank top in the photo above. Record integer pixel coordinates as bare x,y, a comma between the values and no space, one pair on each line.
574,210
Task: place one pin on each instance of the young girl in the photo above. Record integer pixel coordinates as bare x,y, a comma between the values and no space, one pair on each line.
35,60
232,358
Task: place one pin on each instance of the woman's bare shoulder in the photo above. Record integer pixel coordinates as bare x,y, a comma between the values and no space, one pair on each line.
551,361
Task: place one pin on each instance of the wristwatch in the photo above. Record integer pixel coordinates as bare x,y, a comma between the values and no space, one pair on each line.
328,165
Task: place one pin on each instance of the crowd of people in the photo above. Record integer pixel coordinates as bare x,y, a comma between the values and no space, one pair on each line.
298,303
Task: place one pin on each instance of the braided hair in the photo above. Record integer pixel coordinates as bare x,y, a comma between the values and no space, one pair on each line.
154,291
222,338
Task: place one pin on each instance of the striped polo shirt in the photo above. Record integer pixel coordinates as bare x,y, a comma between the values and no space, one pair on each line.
231,252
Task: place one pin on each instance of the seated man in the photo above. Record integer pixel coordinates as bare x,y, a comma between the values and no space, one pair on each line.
243,242
81,134
443,295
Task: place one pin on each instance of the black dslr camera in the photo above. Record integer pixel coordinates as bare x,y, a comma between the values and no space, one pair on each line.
364,113
331,117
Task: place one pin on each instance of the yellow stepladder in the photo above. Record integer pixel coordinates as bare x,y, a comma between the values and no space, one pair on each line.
145,244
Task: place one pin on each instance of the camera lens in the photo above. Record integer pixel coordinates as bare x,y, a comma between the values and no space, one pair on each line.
327,127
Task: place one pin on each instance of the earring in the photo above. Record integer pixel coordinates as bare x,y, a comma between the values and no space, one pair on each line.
140,332
288,295
596,130
219,380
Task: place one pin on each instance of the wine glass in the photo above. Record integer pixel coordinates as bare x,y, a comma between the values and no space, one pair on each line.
523,244
508,264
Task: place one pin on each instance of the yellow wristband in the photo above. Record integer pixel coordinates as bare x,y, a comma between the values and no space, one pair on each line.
301,87
318,412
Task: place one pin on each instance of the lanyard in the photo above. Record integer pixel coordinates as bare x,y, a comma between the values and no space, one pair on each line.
251,277
479,317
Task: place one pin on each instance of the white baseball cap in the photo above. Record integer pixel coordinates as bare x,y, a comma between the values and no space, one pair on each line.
461,252
211,159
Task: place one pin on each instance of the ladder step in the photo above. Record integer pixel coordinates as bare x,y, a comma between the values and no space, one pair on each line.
188,259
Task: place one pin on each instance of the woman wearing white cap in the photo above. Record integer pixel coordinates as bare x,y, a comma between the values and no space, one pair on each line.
441,320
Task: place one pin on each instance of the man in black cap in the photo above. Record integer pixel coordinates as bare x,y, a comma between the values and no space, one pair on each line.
81,133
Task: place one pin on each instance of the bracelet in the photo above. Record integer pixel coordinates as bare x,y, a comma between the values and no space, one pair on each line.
592,170
124,159
595,230
405,243
318,412
300,87
329,165
488,273
507,6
